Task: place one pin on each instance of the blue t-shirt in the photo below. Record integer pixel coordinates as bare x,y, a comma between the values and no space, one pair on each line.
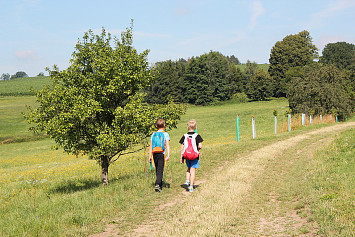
166,137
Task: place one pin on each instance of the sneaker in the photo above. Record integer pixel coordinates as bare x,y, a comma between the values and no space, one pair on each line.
157,188
187,183
191,189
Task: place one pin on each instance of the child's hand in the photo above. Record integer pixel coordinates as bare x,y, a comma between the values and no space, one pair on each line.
167,158
181,160
150,159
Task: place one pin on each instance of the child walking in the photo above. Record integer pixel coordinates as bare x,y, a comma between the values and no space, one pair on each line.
159,142
191,143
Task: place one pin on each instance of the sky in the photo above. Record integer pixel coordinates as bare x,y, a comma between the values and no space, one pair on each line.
35,34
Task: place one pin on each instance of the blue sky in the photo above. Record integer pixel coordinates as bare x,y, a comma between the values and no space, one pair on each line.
35,34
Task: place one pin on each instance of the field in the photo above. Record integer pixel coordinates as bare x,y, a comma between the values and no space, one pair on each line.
22,86
49,193
265,66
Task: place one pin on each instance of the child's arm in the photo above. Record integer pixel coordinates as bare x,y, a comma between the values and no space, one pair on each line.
167,150
181,152
150,152
200,146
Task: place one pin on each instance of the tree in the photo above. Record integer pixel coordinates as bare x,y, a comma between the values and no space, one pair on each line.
95,107
292,51
168,82
320,90
235,80
341,54
19,74
207,79
41,74
5,76
233,60
259,86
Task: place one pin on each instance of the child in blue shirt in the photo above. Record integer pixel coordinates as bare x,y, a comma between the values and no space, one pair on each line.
158,156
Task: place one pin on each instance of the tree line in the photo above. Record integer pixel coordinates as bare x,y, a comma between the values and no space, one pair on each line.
19,74
313,84
206,79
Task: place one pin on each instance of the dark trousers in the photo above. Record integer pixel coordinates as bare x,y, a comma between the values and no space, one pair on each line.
159,168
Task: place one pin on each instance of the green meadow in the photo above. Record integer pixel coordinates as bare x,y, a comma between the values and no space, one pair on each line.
22,86
46,192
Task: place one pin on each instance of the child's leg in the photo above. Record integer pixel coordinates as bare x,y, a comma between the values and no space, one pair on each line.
159,167
188,173
192,176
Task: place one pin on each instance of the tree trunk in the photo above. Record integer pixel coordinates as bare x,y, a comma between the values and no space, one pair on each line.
104,169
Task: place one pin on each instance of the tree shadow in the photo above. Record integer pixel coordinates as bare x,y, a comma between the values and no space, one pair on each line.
75,185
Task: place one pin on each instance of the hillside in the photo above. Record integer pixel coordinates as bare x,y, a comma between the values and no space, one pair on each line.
264,66
22,86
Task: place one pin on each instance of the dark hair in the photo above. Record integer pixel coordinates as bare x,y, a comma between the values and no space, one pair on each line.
160,123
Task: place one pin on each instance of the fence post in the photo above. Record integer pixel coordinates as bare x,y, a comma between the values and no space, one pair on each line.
275,124
303,119
320,118
336,119
237,128
253,127
289,122
310,119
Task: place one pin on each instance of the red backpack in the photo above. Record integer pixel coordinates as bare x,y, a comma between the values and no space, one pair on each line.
190,151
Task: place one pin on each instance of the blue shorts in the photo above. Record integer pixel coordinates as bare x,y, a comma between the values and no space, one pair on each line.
193,163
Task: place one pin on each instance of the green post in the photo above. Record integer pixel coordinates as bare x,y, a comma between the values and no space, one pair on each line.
289,122
238,128
275,124
336,119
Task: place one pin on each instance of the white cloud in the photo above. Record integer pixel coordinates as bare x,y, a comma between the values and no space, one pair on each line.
331,10
257,11
182,11
26,54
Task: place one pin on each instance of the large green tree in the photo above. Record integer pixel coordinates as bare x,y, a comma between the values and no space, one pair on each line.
259,86
320,90
292,51
341,54
95,107
168,82
207,79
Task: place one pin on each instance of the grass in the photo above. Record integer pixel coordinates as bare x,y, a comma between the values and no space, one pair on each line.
264,66
13,127
47,192
332,189
22,86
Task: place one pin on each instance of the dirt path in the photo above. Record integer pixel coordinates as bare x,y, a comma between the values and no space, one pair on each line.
212,208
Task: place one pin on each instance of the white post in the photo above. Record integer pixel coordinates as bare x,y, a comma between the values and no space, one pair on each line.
253,127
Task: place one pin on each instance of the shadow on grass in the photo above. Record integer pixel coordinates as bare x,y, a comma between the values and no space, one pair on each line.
184,186
77,185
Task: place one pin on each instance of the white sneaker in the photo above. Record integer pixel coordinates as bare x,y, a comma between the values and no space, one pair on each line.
191,189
